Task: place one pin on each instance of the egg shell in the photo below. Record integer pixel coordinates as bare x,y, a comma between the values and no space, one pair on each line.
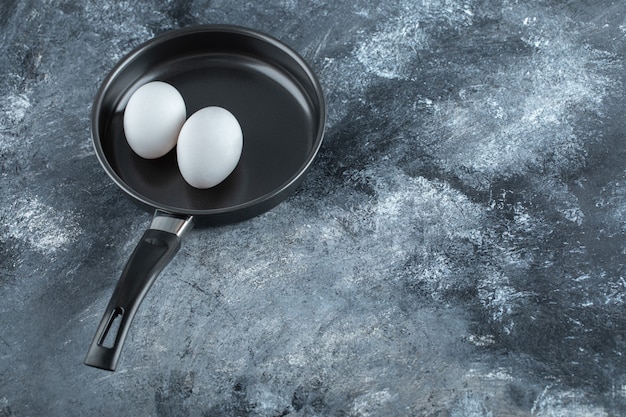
153,117
209,147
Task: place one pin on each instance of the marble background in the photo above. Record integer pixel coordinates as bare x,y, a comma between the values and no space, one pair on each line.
457,249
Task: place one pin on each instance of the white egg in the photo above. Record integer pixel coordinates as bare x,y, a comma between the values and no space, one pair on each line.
153,118
209,147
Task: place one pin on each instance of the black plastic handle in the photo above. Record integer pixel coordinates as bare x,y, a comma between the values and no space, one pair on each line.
152,254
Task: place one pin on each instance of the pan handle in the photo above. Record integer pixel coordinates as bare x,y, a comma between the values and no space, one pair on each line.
156,248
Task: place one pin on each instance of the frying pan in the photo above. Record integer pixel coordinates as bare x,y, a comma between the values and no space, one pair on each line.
279,104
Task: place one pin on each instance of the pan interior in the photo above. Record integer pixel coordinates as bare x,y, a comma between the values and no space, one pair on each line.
278,117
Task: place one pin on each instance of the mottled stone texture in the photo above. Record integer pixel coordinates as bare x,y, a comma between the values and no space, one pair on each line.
457,249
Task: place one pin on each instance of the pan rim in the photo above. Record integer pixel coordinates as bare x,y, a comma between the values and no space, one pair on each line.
266,199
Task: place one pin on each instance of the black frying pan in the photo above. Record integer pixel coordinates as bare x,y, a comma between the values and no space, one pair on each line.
279,104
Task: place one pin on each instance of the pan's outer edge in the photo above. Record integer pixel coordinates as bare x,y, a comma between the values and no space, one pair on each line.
213,216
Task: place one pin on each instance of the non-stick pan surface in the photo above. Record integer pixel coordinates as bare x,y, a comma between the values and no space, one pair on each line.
279,104
266,85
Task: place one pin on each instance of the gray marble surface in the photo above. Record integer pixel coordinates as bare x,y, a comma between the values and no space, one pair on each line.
457,249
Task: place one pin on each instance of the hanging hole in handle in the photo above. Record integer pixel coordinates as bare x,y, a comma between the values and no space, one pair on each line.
107,340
